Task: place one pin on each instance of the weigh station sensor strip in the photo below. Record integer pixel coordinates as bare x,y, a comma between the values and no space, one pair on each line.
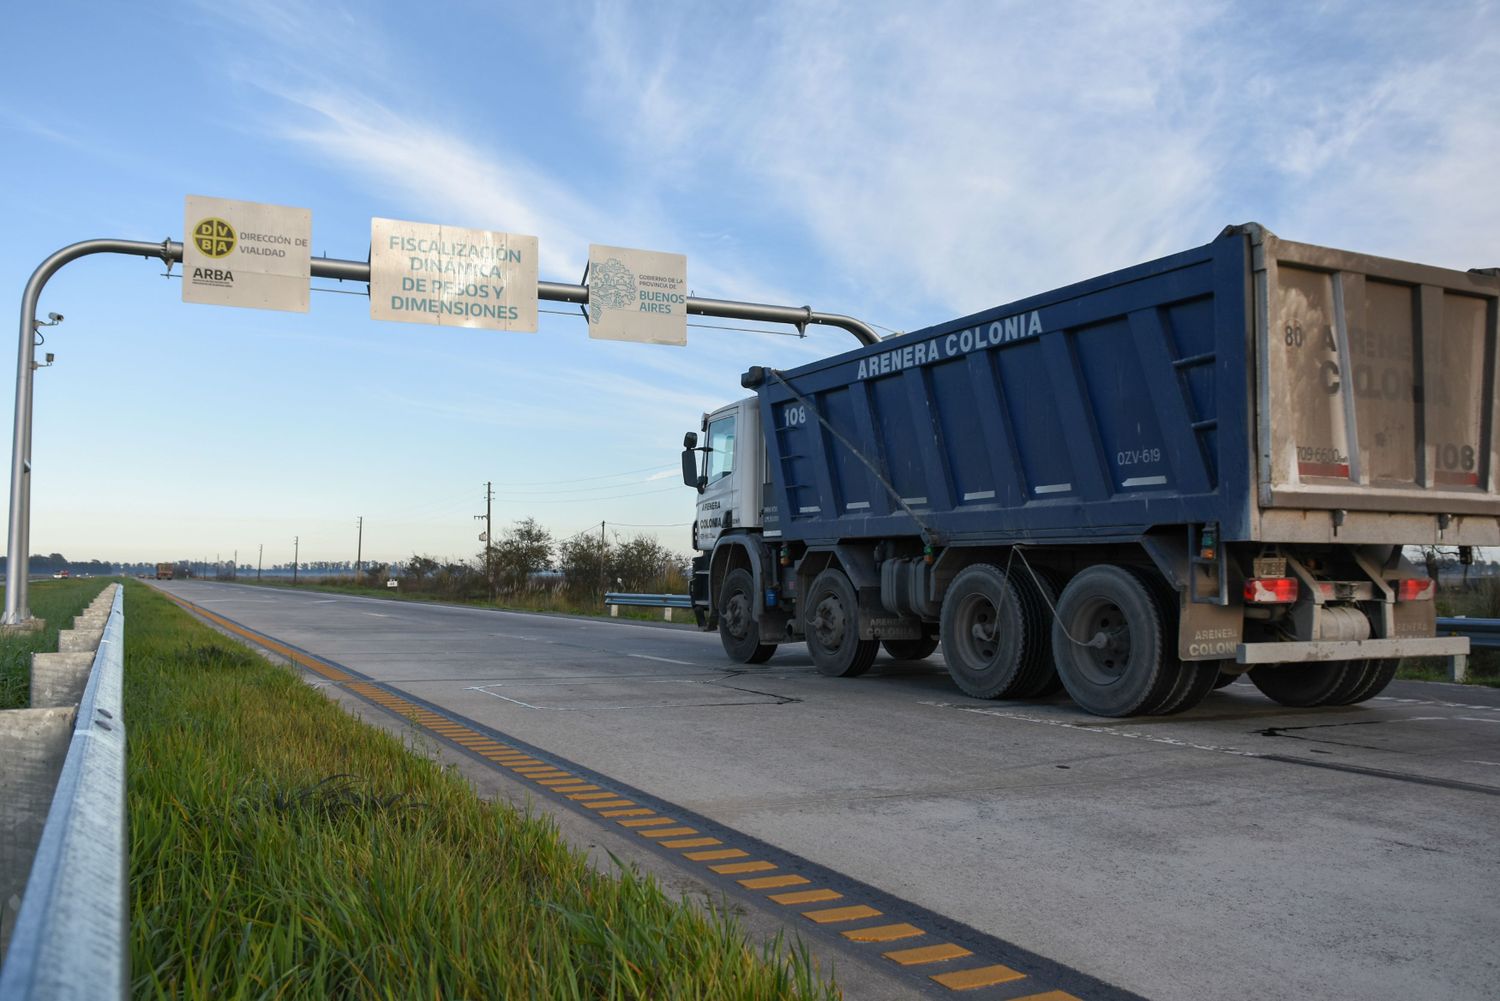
932,951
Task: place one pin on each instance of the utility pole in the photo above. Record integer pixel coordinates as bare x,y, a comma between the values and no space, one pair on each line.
602,545
260,558
296,549
489,536
359,548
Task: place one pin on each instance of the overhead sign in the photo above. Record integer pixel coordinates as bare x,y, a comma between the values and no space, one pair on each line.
452,277
637,295
246,254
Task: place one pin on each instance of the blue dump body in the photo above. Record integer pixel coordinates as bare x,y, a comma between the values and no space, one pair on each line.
1241,383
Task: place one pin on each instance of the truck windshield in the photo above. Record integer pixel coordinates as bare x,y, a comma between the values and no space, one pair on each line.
721,448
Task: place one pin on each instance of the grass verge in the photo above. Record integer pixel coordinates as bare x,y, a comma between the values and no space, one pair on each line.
280,848
56,601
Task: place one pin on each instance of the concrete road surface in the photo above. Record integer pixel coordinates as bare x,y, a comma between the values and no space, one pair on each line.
1238,851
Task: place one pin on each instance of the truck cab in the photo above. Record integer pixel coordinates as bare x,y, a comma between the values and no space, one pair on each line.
729,474
726,462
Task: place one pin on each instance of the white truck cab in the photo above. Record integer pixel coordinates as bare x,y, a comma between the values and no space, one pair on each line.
730,475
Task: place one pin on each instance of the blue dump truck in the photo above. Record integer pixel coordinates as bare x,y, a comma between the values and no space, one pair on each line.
1135,488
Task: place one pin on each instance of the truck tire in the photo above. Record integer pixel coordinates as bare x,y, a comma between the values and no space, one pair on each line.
831,624
986,642
1193,680
1377,674
1225,678
738,630
1107,641
911,649
1304,685
1038,599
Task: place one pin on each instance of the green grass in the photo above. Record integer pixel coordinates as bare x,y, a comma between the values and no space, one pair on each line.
282,849
57,601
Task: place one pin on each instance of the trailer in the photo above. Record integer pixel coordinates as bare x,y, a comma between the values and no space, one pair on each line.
165,571
1135,488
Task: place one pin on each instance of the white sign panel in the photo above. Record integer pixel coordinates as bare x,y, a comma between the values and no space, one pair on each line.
452,277
246,254
637,295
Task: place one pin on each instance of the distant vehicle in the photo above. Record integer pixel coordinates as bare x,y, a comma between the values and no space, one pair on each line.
61,575
164,571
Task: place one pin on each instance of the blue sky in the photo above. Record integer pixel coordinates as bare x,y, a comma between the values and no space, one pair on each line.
901,163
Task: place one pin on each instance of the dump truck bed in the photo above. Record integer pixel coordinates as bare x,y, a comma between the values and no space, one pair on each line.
1280,390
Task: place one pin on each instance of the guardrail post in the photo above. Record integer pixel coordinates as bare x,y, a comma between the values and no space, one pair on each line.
33,744
1458,667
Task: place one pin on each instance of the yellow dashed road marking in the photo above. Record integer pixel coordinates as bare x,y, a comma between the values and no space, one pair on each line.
806,896
928,954
584,797
883,933
667,832
831,915
606,803
731,868
639,811
691,842
984,976
717,853
647,822
772,882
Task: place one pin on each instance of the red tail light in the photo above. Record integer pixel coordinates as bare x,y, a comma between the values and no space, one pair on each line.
1271,590
1416,589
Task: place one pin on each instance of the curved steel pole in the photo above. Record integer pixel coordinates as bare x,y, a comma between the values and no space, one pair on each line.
18,564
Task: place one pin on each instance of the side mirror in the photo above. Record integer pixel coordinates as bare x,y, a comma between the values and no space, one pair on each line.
690,465
690,440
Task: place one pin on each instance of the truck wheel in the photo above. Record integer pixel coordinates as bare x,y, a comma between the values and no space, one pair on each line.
738,630
1193,680
990,650
1107,641
832,627
1225,679
911,649
1378,674
1038,598
1303,685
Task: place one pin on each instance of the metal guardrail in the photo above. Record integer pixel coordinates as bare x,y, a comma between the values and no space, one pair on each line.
70,935
1481,632
648,600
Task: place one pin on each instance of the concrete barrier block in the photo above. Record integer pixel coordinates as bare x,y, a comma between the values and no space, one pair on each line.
71,640
58,679
33,746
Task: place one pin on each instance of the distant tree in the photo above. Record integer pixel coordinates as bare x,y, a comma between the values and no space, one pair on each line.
524,548
419,568
641,564
585,563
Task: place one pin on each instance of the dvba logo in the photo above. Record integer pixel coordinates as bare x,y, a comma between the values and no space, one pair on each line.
214,237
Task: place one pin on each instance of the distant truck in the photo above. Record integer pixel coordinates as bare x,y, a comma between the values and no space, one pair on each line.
165,571
1135,488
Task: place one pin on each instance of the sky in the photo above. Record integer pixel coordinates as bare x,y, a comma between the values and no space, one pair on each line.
901,163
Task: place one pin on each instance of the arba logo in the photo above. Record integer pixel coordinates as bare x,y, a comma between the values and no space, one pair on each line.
214,237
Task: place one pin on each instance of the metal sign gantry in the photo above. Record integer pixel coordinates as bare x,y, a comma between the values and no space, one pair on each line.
17,608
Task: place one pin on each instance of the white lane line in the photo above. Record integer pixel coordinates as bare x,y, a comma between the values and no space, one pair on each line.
378,615
1476,719
1434,702
525,639
664,660
323,601
1112,731
1475,761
